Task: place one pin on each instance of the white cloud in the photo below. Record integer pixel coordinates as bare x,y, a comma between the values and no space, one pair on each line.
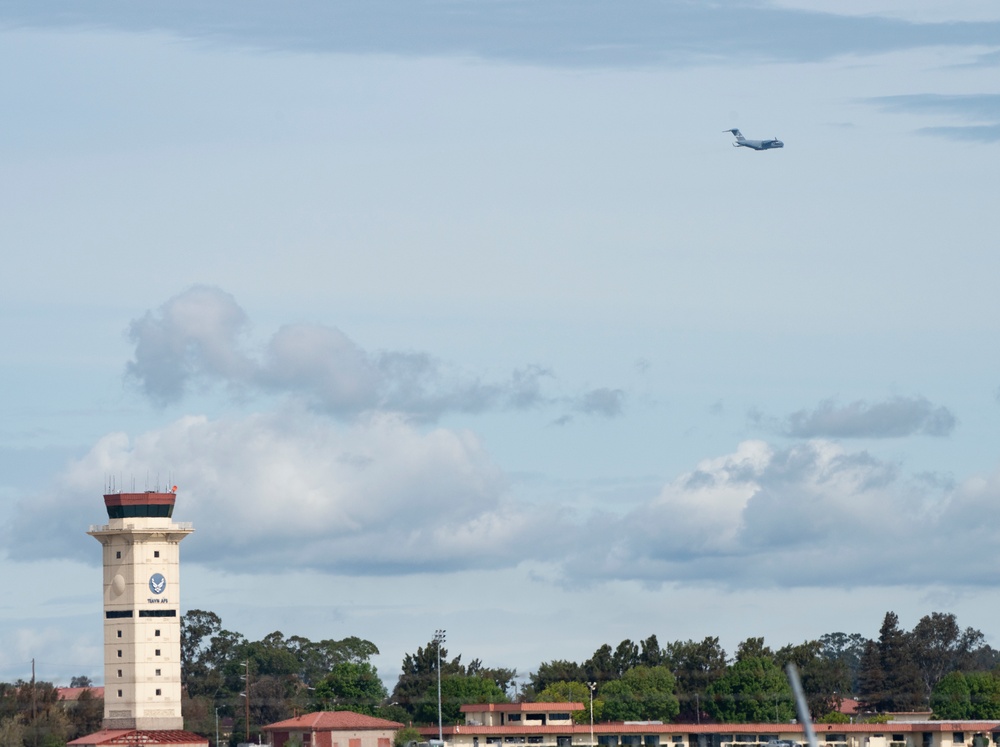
290,489
197,338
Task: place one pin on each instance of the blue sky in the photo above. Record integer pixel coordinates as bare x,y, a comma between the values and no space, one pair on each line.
466,315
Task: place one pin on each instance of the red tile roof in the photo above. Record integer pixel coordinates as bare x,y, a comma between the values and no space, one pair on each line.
133,737
333,721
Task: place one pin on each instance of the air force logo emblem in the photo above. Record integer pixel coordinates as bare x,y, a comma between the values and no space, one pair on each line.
157,583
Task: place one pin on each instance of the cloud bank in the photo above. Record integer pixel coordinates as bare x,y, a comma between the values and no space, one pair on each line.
295,490
198,338
542,32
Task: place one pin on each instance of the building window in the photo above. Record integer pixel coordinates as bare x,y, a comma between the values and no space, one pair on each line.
157,672
157,652
677,739
514,717
958,737
156,553
556,716
119,634
158,691
535,740
118,555
119,673
119,653
119,693
156,632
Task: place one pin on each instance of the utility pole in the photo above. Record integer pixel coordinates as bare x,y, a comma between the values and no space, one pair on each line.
246,678
34,719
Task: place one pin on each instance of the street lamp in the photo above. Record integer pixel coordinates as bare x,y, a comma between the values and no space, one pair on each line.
591,685
439,639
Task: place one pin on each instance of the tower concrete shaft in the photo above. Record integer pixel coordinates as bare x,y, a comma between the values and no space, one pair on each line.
142,626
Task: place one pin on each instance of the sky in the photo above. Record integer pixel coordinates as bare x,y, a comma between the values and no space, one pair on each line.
465,315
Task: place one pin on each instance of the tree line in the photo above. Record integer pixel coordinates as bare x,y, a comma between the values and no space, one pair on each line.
937,666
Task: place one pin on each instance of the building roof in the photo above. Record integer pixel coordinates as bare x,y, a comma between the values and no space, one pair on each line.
333,721
74,693
521,707
661,728
133,737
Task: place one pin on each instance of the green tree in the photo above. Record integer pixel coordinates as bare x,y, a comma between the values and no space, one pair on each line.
406,735
573,692
951,698
984,695
457,690
350,687
939,646
642,694
419,676
871,678
824,680
904,690
695,665
651,655
12,732
753,691
625,657
86,715
847,649
600,667
753,648
559,670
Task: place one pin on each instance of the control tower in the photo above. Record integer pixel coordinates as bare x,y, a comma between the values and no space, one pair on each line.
142,625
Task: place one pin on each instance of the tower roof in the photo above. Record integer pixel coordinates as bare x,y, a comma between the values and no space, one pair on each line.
150,503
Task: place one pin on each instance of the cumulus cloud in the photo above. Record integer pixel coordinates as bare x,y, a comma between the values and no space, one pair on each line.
814,514
382,497
292,490
199,338
893,418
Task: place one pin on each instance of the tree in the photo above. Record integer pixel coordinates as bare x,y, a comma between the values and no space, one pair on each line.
823,680
751,691
753,648
871,678
984,695
406,735
81,681
642,694
86,715
845,648
502,676
951,697
904,689
12,732
559,670
625,657
601,666
940,646
573,692
695,665
350,687
458,690
651,655
419,676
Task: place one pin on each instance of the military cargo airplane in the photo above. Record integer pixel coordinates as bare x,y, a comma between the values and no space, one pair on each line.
755,144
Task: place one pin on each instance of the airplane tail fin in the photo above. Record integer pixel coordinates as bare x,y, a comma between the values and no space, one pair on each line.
737,133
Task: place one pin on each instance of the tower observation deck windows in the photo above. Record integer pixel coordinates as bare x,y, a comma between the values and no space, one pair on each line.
140,511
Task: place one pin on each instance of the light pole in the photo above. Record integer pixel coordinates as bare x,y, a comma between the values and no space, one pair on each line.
591,685
439,639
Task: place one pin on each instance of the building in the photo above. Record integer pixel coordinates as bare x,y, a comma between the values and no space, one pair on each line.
552,725
333,729
142,628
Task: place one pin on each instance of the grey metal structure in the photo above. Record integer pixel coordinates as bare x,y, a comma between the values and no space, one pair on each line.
742,142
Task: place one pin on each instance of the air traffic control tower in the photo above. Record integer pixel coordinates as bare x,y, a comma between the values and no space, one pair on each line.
142,625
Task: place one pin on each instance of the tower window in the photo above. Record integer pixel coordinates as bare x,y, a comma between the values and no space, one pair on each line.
156,632
119,653
119,693
156,553
157,672
119,673
119,633
157,652
118,555
158,692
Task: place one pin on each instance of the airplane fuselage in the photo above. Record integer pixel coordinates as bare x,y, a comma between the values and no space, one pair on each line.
742,142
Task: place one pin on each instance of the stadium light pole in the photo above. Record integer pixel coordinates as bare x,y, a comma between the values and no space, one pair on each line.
591,685
439,639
